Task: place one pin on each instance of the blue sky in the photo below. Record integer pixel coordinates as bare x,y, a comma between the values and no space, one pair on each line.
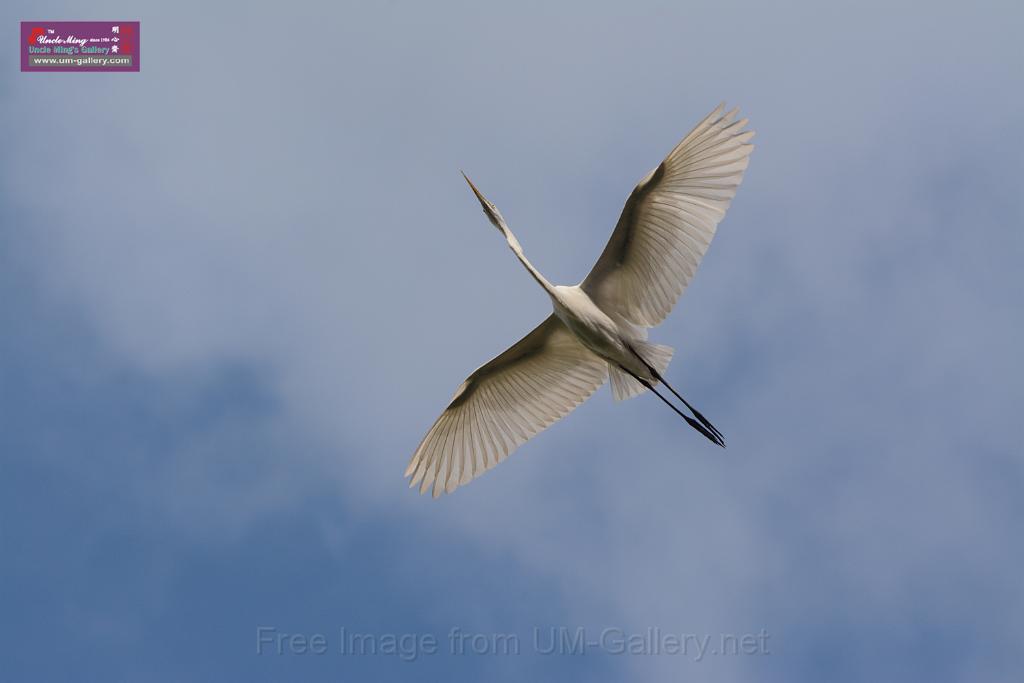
237,287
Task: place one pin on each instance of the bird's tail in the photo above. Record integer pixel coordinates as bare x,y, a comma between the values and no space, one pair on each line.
656,356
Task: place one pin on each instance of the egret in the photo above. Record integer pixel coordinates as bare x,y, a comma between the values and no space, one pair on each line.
599,327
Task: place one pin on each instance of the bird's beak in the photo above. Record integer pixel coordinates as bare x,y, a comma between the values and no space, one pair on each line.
491,212
473,187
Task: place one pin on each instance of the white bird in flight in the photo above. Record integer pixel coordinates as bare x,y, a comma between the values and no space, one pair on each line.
599,327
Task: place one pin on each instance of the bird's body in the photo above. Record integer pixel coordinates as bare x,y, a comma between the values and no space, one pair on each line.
597,331
599,327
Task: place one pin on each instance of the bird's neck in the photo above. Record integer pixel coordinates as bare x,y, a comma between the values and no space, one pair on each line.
517,249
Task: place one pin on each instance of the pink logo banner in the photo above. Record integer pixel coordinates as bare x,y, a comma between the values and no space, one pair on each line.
79,46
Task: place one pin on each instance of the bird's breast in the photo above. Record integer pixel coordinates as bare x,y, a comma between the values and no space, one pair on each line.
590,324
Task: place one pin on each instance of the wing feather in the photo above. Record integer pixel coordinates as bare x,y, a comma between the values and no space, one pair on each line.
533,384
669,221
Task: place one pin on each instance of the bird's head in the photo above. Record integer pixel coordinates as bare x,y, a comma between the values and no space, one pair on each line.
490,210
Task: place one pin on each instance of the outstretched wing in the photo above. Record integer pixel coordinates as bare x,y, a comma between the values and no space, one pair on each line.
538,381
668,222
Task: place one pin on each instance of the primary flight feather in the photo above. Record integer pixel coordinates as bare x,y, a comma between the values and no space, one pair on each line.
599,327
